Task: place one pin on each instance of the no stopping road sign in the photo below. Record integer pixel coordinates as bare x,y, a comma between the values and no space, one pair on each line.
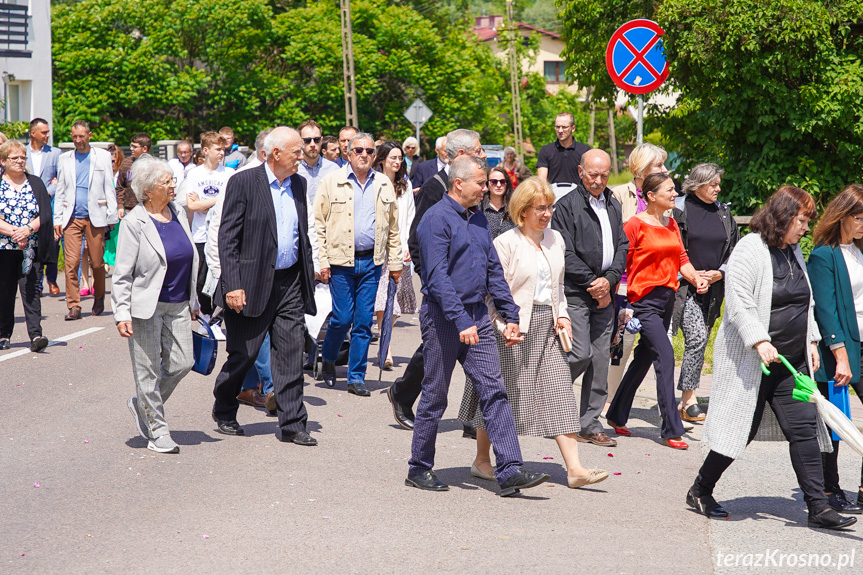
634,57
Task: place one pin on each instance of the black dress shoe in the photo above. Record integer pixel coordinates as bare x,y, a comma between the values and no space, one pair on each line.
400,412
328,372
228,427
829,519
39,343
4,343
521,479
860,498
468,431
359,388
98,305
705,504
840,503
300,438
426,480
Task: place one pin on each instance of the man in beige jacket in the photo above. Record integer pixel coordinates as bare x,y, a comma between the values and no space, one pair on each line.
356,218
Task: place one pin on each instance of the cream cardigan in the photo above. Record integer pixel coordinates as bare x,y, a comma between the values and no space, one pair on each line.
736,364
518,259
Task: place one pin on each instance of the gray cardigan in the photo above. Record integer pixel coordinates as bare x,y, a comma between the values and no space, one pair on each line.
141,266
737,366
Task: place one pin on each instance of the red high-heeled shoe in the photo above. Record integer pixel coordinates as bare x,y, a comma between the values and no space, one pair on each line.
675,444
619,429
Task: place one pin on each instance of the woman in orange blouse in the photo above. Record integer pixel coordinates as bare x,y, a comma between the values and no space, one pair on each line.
656,255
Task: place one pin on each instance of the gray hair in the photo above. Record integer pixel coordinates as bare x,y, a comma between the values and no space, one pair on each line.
186,143
410,141
361,136
463,169
459,140
146,173
278,139
508,150
439,142
700,175
259,141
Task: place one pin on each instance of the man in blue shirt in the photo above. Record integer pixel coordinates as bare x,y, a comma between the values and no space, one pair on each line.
460,268
356,217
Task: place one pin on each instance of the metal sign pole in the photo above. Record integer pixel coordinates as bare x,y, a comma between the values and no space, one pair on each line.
639,135
417,108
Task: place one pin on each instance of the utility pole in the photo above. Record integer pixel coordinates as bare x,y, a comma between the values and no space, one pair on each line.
612,139
514,80
348,65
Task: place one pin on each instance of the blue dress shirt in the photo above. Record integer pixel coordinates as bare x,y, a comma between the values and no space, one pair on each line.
364,210
287,221
460,263
82,184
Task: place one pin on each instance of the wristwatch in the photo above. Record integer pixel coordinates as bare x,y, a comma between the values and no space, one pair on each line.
32,231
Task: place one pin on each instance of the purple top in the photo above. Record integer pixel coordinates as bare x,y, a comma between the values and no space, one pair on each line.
179,254
641,206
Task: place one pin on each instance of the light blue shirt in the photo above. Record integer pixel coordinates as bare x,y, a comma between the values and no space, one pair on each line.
82,184
287,221
364,210
314,175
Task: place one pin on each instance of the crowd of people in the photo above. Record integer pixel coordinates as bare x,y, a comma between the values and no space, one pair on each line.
530,282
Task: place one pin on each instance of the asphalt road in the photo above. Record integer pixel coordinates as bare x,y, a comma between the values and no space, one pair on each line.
80,493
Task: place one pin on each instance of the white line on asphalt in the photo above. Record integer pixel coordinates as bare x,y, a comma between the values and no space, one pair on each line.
57,341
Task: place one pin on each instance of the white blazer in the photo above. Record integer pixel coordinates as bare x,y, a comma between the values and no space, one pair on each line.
101,197
141,266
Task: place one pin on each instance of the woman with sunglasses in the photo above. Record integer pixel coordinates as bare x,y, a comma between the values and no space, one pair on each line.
389,160
495,203
26,243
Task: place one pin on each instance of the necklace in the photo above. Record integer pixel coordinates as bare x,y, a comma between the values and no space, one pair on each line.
788,261
654,218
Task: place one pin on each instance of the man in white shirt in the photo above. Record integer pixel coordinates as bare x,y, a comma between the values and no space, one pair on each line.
198,193
43,161
182,164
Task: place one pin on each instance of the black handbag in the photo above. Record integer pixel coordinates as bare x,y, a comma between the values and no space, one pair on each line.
205,348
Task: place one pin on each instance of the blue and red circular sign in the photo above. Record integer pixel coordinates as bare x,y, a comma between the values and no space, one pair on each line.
634,57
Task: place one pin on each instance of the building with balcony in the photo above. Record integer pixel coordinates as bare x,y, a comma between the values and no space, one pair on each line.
25,60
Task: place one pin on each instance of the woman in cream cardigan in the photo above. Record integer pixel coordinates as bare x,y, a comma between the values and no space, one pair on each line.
153,297
535,371
768,312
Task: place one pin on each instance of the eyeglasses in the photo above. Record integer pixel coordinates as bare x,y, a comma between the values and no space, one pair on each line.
856,218
17,158
310,140
544,209
395,159
169,182
497,182
361,151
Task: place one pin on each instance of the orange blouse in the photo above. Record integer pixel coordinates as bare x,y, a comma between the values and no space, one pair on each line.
655,257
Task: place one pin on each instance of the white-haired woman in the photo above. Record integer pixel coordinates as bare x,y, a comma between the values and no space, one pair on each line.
153,297
709,234
515,168
411,148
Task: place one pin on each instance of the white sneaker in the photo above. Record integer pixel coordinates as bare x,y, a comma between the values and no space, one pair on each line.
163,444
687,426
132,403
217,332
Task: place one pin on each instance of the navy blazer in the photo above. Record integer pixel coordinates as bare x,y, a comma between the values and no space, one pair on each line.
834,310
248,241
424,172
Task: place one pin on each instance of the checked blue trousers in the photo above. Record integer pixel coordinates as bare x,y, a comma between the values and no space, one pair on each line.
481,362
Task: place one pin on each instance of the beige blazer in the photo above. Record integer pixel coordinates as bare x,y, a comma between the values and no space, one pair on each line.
625,194
141,266
518,258
101,197
334,221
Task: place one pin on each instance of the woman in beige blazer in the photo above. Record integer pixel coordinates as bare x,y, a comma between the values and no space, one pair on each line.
153,297
535,371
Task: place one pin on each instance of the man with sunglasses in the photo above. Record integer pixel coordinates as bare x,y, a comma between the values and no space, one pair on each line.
356,217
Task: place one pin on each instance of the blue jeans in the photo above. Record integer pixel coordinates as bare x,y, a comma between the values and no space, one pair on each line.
353,291
261,371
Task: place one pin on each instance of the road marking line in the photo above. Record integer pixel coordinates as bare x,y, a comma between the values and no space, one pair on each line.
57,341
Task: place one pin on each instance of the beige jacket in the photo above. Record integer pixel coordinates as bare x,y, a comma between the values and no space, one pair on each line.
625,194
334,221
518,259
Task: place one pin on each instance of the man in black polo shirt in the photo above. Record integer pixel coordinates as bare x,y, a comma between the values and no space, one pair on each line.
558,162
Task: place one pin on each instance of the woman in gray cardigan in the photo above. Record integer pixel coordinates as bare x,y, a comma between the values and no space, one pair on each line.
153,297
768,312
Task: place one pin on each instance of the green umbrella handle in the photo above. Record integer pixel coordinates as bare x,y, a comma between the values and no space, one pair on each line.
790,367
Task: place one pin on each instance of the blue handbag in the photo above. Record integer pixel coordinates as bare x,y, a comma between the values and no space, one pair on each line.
205,348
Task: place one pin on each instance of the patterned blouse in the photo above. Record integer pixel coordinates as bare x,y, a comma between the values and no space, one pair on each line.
17,209
498,220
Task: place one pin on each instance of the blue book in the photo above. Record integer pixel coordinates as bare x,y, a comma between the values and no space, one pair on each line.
838,396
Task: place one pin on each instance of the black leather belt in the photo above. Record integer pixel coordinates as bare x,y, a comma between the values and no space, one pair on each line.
364,253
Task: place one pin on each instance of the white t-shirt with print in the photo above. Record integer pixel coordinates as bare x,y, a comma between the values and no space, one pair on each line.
206,184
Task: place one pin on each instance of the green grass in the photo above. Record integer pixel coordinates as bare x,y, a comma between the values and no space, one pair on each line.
679,345
623,177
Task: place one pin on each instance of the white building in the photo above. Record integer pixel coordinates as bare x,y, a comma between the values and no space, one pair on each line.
25,60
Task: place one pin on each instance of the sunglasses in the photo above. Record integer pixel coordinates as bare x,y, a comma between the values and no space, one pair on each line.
361,151
310,140
497,182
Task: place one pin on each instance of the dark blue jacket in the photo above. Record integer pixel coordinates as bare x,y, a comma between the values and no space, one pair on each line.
834,310
460,263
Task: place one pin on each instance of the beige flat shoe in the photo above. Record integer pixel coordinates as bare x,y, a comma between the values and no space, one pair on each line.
593,476
474,470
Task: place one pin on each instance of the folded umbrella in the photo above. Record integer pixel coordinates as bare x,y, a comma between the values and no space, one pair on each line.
806,390
386,326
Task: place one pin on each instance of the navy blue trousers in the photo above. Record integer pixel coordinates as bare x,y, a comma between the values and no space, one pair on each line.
481,362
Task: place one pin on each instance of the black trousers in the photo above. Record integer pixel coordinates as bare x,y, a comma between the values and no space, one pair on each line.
408,387
798,422
654,311
283,320
50,269
830,461
203,299
11,281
